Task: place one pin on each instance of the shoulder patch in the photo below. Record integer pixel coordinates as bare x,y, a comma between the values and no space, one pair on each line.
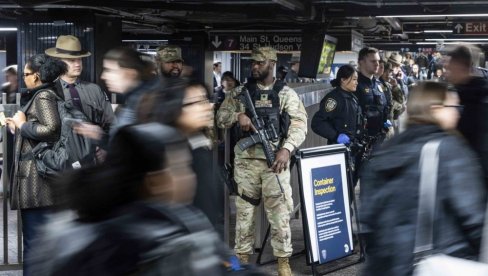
330,105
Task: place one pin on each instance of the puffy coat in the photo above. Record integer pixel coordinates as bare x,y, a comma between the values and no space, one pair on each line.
389,201
29,190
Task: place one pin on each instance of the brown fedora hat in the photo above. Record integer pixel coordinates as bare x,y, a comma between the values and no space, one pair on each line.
67,46
395,58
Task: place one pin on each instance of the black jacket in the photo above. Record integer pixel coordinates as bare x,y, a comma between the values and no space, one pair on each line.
339,112
471,96
126,113
373,103
141,238
389,201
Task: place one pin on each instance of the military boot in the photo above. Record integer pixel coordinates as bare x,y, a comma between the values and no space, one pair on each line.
243,258
284,267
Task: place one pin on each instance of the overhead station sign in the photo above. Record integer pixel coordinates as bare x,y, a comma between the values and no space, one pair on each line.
249,41
471,28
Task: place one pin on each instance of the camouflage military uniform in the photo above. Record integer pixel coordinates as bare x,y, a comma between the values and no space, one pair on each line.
256,180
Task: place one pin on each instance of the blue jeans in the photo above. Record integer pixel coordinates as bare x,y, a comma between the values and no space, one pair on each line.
32,222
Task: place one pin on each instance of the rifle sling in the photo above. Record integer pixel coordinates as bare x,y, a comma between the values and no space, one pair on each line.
251,200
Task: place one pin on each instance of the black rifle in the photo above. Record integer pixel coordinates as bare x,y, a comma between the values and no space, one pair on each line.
363,145
261,136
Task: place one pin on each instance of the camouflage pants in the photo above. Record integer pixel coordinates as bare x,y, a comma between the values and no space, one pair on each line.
255,180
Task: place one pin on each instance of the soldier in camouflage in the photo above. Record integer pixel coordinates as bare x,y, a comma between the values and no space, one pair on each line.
254,179
170,61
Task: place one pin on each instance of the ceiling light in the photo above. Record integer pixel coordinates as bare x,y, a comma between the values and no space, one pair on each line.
390,43
144,40
434,15
47,38
290,4
8,29
457,39
448,43
437,31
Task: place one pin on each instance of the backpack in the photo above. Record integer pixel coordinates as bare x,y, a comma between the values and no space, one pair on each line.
71,151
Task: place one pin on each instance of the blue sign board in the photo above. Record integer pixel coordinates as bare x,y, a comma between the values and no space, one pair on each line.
333,237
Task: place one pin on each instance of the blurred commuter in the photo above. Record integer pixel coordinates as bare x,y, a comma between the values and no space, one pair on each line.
386,87
397,72
229,82
408,60
398,100
86,96
170,61
38,121
439,75
389,196
414,76
217,74
281,72
473,94
11,84
275,103
423,61
124,72
132,216
370,95
186,107
292,75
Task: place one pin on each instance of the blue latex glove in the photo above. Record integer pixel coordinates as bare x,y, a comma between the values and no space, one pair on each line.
234,263
387,124
343,139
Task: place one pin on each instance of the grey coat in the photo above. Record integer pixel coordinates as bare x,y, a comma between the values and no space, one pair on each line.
94,101
389,201
28,189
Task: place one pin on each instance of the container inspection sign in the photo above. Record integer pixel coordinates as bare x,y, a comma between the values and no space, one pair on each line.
325,198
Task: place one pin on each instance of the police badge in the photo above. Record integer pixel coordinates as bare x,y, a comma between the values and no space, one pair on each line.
330,105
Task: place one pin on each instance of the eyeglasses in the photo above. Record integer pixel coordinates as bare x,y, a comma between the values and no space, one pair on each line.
203,101
28,74
459,108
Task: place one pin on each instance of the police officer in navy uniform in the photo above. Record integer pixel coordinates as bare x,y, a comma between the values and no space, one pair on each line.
371,96
338,118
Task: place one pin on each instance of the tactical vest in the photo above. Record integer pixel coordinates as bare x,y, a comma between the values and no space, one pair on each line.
267,105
